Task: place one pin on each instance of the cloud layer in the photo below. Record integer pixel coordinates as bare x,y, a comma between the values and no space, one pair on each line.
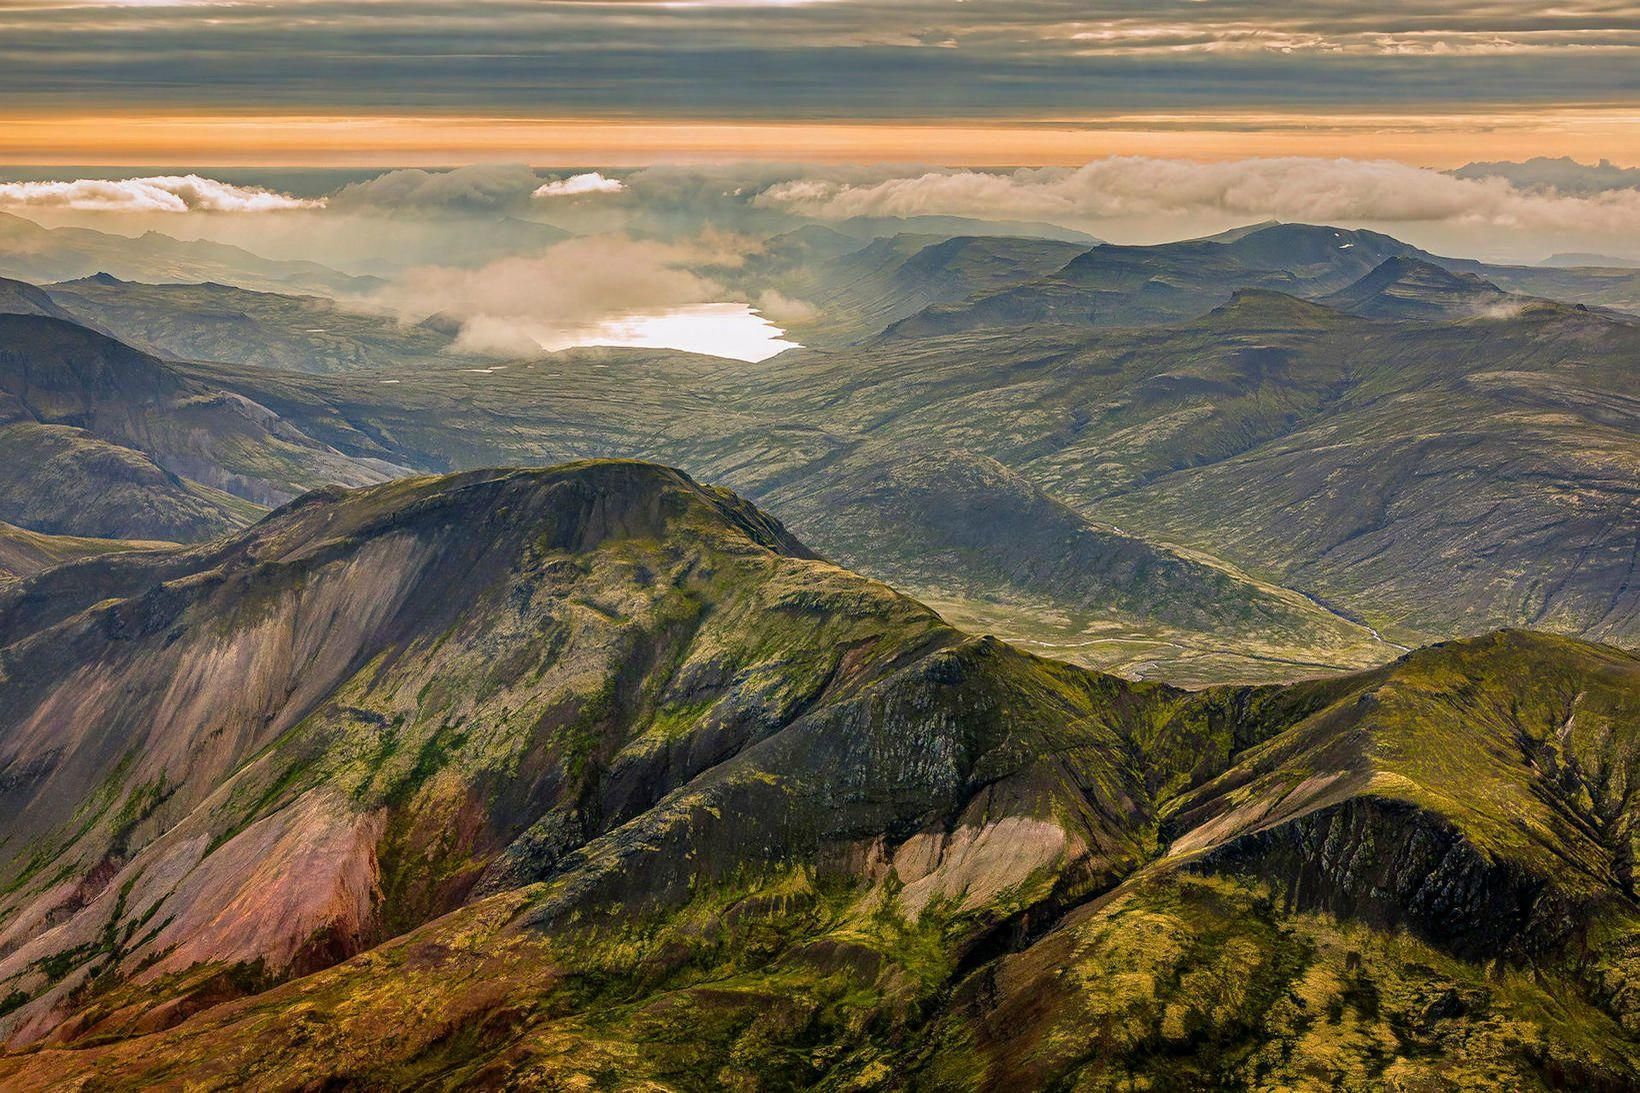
486,187
1320,190
880,59
158,193
472,216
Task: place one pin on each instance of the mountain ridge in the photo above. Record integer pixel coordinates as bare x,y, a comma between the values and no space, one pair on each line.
581,753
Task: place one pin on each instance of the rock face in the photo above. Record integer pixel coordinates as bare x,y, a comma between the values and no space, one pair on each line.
1394,866
596,775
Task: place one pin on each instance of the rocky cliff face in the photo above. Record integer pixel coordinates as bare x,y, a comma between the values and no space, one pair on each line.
1393,866
595,774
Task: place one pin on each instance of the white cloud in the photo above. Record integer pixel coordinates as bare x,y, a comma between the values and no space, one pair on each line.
1295,188
157,193
593,182
515,305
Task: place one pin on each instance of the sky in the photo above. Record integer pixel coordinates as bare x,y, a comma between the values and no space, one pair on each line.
537,169
951,82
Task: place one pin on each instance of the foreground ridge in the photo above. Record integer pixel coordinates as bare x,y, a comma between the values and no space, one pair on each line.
509,776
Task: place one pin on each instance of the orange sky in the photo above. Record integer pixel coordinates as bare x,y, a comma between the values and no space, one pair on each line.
1437,140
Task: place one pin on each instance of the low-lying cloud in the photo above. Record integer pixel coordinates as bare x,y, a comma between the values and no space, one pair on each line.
1322,190
513,306
482,188
777,306
153,194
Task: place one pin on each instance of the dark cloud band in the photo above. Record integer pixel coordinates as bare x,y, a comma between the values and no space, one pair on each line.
828,59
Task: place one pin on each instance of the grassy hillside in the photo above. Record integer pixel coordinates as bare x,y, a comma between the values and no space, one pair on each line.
24,553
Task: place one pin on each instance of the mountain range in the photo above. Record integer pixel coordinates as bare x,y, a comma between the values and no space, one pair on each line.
35,253
594,773
1210,665
1395,438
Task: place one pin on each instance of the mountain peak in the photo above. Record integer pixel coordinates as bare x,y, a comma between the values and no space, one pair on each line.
1407,287
574,507
1288,246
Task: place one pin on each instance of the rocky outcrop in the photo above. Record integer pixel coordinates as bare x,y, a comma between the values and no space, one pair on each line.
1395,866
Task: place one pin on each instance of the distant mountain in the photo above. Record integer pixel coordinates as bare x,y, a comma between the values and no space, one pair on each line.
103,440
859,291
223,323
1176,282
1376,464
1603,261
1409,288
1127,286
504,778
1561,174
30,252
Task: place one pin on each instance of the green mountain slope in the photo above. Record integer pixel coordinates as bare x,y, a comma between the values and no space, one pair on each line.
593,775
